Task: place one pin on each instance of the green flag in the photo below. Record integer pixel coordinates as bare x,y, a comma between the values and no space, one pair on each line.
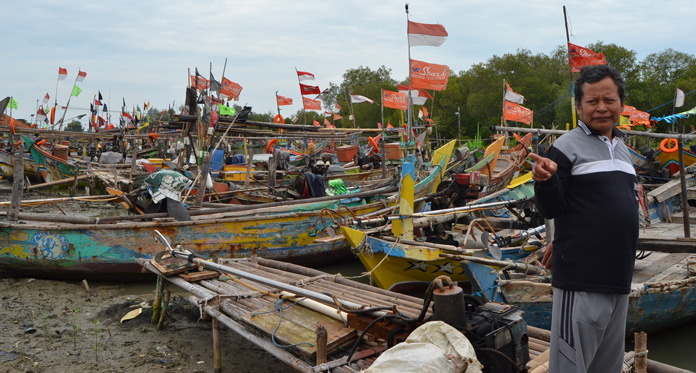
12,104
76,91
226,110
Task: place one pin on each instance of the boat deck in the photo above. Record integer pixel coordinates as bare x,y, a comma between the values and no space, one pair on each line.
250,308
667,237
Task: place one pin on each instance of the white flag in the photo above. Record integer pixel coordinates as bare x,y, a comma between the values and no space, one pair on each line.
513,96
356,99
679,101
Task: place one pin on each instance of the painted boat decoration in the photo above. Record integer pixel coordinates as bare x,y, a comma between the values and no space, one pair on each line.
92,250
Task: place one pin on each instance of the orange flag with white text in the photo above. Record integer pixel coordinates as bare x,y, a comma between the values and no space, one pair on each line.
310,104
429,75
394,100
518,113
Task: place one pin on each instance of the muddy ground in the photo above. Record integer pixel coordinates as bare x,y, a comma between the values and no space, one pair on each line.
57,326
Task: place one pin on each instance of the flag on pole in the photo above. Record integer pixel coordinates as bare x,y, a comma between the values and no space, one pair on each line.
426,34
309,89
310,104
356,99
46,98
12,104
62,73
579,56
337,107
337,117
513,96
215,86
81,75
230,89
418,96
76,91
282,100
679,101
226,110
41,115
327,123
518,113
303,75
429,75
316,123
394,100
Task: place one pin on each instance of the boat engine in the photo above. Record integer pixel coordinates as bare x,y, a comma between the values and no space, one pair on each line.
497,331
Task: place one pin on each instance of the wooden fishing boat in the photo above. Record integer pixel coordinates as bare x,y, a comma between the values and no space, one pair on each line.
53,164
92,247
491,173
404,265
31,169
663,291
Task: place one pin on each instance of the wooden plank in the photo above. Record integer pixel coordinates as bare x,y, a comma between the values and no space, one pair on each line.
170,266
298,327
199,275
655,272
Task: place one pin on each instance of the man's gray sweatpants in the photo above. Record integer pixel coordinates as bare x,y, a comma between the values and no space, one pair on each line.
587,331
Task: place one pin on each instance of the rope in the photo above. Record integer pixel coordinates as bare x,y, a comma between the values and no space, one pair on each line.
386,256
280,320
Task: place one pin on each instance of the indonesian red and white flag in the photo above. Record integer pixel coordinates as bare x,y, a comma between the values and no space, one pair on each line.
282,100
518,113
426,34
310,104
580,56
81,75
513,96
429,75
62,73
394,100
41,115
46,98
303,75
356,99
309,89
418,96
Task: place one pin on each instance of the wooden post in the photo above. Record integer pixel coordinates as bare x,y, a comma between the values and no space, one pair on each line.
684,197
217,351
204,171
250,162
641,348
272,171
17,186
321,345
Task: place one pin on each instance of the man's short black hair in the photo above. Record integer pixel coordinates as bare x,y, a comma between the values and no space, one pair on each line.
595,73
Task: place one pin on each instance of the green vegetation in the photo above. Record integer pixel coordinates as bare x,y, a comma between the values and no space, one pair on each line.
544,80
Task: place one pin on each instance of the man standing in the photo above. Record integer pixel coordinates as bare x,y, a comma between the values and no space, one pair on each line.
588,185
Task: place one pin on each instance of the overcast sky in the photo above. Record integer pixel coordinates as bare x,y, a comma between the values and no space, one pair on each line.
140,51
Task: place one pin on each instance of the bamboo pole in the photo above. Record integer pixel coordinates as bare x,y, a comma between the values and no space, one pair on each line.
17,185
217,350
641,348
58,182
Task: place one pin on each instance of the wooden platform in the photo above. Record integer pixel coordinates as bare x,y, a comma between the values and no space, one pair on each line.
288,331
667,237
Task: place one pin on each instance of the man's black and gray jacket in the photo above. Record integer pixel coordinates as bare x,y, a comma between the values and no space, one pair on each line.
593,199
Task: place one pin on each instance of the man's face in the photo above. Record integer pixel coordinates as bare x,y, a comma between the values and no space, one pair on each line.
600,107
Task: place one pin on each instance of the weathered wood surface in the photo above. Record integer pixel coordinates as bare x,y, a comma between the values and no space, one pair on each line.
666,237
